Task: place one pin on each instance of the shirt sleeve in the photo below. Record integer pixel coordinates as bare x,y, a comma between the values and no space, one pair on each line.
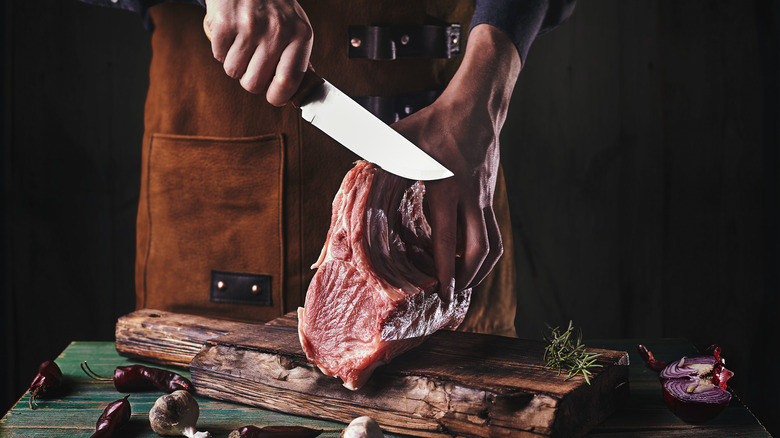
522,20
139,6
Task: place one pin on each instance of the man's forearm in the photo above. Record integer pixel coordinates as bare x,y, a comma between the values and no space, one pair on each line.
487,74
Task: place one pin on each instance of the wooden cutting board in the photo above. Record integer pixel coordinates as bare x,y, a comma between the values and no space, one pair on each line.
454,384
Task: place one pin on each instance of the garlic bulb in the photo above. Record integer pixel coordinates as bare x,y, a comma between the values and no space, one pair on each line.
362,427
176,414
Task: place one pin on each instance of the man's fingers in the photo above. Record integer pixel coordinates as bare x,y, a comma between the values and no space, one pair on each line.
289,72
238,57
495,244
476,247
258,72
254,40
443,203
220,35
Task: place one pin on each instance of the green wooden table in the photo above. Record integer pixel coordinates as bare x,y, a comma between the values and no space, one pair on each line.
75,411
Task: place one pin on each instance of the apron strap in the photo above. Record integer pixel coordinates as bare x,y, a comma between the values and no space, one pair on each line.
404,41
391,109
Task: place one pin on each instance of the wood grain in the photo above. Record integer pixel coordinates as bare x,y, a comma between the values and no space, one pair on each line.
455,383
167,338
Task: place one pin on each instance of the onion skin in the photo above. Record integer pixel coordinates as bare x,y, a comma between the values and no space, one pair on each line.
694,388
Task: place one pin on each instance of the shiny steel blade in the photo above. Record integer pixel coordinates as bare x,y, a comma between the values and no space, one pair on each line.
343,119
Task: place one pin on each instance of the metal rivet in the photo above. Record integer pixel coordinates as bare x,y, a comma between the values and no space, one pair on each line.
408,109
356,42
454,39
221,285
255,289
405,40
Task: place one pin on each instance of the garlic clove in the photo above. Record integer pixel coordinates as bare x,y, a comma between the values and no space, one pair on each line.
362,427
176,414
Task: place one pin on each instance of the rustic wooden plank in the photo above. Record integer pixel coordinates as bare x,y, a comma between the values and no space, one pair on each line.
643,414
455,383
168,338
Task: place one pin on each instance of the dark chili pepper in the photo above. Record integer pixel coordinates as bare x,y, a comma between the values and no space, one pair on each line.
114,416
650,361
49,377
274,432
141,378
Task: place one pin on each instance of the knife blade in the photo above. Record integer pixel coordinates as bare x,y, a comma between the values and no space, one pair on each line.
346,121
357,129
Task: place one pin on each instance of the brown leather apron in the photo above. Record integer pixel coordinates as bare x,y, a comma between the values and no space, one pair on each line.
232,185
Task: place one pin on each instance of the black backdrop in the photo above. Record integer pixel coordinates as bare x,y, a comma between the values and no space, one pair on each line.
641,157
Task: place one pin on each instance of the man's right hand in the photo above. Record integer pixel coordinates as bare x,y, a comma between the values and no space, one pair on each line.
265,44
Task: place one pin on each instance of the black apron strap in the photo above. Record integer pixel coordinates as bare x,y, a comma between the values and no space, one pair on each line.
406,41
394,108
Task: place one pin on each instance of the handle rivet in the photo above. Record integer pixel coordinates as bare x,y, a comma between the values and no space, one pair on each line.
356,42
221,285
255,289
405,40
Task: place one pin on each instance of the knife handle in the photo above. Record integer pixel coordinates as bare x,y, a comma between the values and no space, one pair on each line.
311,80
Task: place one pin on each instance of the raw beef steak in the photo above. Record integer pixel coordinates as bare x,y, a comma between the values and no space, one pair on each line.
374,294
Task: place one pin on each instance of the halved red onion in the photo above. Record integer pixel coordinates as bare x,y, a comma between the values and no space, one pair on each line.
695,400
688,367
694,388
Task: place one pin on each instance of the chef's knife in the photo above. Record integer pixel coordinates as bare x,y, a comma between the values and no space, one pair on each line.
347,122
344,120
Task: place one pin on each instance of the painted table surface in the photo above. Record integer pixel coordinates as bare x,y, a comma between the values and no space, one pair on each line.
75,411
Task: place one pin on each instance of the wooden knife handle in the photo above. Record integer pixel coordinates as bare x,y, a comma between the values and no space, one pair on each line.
311,80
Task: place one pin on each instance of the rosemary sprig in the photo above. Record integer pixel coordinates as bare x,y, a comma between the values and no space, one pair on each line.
565,350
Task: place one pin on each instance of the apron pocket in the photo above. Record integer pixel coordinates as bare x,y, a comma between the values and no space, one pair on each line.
215,207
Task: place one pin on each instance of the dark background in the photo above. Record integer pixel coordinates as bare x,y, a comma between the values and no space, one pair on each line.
641,154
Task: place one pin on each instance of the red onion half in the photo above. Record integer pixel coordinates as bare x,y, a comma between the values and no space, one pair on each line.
694,388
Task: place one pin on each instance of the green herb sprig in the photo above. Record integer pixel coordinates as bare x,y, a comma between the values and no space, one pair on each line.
566,351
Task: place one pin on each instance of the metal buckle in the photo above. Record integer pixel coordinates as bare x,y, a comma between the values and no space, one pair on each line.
391,109
240,288
405,41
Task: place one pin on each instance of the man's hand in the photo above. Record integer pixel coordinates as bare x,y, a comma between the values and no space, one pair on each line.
461,130
263,43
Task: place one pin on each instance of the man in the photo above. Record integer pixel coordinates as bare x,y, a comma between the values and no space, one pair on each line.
235,190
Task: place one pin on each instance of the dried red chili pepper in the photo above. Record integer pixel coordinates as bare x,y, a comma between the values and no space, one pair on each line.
649,360
48,378
274,432
114,416
135,378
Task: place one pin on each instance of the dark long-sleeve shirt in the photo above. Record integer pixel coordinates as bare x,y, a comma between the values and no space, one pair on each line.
522,20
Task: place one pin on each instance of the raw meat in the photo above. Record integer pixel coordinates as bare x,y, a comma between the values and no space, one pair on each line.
374,295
